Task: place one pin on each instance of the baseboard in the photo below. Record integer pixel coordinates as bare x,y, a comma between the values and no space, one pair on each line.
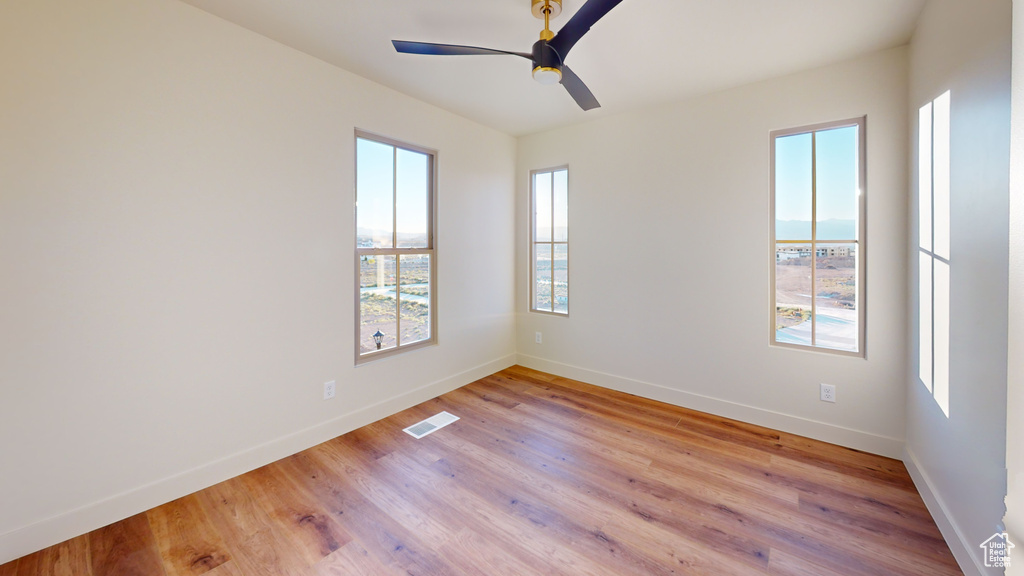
856,439
961,548
27,539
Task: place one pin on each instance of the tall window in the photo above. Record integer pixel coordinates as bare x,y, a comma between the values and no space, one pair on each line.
394,246
549,244
933,148
818,179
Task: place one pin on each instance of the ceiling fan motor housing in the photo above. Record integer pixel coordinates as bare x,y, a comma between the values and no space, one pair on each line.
547,66
544,56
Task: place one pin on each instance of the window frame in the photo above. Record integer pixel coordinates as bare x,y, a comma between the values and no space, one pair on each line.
861,242
430,250
552,243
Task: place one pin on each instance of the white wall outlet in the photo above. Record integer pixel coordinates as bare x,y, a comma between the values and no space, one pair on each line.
329,390
538,338
828,392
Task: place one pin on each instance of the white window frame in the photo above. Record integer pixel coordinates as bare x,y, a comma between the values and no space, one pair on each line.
399,348
534,243
860,242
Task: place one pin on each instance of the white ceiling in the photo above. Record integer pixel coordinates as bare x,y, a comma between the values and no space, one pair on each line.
643,52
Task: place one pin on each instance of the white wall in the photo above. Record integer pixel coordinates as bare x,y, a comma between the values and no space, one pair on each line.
958,461
670,256
176,258
1014,519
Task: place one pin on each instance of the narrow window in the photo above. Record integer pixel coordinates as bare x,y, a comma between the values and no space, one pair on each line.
395,256
933,148
549,246
818,180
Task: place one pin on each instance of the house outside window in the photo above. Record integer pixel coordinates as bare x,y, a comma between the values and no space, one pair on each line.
549,240
395,255
818,246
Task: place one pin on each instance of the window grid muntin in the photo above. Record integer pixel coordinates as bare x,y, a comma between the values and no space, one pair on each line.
551,244
859,230
429,250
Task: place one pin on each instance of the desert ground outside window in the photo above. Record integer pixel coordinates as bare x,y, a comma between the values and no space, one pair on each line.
549,241
395,256
818,247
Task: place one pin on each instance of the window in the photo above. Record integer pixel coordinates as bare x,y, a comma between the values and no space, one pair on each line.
395,256
549,244
818,179
933,148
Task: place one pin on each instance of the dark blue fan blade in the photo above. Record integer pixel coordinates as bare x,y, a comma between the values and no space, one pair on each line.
578,90
580,24
450,49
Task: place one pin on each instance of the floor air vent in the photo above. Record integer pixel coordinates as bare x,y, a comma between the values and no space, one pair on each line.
431,424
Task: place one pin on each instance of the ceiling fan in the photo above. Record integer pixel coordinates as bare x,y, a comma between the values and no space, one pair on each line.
548,54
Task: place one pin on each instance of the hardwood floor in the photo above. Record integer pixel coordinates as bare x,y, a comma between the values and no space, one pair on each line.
541,475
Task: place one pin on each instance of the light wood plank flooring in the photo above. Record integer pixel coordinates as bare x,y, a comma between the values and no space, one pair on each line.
542,475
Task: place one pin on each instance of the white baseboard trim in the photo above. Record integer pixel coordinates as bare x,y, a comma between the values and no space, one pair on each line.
856,439
47,532
961,548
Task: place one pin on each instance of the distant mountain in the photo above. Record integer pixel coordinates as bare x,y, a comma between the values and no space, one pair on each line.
827,230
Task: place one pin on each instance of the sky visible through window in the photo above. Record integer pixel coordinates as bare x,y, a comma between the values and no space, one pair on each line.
837,184
384,176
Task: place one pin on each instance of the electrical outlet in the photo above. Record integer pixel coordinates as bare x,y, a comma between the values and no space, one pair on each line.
329,390
538,338
828,393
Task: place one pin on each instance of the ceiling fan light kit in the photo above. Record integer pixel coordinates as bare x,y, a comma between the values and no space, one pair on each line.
548,54
547,75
